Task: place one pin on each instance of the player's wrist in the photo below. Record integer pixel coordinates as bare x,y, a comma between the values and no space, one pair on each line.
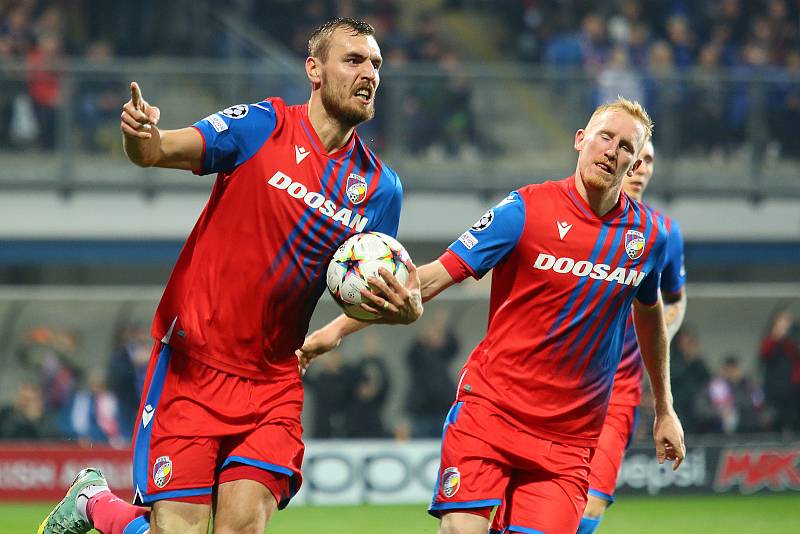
663,406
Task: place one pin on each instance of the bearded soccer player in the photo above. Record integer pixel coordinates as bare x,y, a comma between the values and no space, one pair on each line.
570,258
222,400
620,423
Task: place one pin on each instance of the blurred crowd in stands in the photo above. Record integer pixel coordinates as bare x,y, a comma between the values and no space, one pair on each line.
58,397
713,74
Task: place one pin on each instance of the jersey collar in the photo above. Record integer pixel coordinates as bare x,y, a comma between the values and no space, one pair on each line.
316,142
584,207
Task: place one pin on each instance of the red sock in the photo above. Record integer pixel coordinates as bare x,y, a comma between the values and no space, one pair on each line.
110,515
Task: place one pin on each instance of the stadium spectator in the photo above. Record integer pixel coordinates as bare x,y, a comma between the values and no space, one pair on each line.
785,108
617,78
332,385
690,377
780,359
371,386
681,40
91,415
126,372
431,385
664,96
45,85
27,417
736,400
708,93
50,355
97,95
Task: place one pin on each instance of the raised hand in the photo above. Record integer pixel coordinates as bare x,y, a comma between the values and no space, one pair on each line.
138,117
395,303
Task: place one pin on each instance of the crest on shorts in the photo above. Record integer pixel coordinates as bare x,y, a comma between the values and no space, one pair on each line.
634,244
356,188
162,471
451,481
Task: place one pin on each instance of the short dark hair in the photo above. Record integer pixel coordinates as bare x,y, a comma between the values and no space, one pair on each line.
318,43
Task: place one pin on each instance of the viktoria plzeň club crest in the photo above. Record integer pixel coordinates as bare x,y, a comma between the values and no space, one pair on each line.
634,244
162,471
356,188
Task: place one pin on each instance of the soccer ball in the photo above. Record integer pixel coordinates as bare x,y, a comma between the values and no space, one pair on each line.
358,258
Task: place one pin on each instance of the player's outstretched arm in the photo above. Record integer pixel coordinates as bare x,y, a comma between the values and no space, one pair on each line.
651,332
147,146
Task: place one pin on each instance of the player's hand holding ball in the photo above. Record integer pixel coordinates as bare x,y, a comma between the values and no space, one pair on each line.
373,279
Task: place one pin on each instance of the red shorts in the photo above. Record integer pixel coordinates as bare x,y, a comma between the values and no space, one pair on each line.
618,430
198,427
487,462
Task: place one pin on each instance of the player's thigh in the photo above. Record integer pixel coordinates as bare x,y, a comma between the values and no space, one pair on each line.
463,523
243,507
614,440
549,504
174,517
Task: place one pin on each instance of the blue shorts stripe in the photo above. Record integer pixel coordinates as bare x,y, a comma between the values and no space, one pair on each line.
451,418
140,525
485,503
524,530
601,495
176,494
256,463
141,448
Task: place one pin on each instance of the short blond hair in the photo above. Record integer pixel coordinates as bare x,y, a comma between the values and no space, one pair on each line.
632,108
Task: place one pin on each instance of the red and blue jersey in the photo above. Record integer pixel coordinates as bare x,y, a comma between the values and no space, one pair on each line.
628,380
242,292
563,283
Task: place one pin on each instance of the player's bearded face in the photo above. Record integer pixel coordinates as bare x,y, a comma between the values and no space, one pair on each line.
343,99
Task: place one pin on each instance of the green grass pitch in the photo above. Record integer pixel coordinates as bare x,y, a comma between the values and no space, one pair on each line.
773,514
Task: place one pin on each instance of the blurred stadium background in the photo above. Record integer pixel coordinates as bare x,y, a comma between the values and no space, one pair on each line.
477,98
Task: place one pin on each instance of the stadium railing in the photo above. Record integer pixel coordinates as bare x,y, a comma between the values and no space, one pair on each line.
467,127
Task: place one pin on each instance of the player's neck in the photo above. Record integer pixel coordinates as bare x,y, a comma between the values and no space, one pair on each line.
331,132
600,200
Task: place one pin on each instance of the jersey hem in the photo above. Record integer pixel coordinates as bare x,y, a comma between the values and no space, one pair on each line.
555,437
251,373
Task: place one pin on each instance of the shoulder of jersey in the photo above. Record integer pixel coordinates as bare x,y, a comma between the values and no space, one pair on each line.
373,158
544,187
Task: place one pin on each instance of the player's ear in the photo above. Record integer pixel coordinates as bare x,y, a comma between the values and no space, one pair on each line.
313,70
580,135
634,167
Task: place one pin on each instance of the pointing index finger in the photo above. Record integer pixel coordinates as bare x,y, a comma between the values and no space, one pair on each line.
136,96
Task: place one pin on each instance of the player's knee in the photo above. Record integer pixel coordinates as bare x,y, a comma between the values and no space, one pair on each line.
179,518
244,526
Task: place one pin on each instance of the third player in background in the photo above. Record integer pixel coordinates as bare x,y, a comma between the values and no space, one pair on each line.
623,409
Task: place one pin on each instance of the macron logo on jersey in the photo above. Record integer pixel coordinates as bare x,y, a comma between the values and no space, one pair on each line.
300,153
599,271
563,228
318,202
